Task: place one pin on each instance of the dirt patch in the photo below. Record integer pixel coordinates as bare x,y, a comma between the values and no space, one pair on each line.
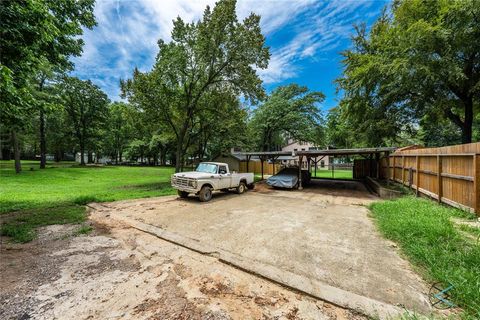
22,273
119,272
262,187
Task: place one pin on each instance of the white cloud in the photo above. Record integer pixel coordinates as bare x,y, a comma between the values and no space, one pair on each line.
127,34
323,28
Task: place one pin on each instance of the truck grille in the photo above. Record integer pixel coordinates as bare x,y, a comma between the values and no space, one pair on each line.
181,182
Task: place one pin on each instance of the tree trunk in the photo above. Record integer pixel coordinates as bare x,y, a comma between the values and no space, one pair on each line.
120,155
58,156
468,122
82,153
178,157
16,151
43,144
90,157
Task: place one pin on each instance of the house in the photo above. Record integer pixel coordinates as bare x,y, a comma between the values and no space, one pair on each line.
102,160
295,145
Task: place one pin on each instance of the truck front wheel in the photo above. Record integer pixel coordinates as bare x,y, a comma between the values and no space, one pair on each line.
182,194
241,188
205,194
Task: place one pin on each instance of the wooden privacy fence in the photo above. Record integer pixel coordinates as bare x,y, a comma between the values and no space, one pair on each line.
450,175
256,167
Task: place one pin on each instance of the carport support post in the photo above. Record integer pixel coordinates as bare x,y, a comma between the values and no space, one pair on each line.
333,167
261,162
316,161
248,160
300,187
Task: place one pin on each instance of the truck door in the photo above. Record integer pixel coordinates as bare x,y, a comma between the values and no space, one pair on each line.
225,178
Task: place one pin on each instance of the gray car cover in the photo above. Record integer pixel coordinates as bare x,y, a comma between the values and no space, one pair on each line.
285,178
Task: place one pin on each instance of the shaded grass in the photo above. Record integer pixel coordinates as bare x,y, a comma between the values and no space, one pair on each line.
55,195
84,229
21,226
426,235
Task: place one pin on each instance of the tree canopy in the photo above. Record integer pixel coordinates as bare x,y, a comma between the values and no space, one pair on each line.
420,58
35,35
87,109
291,111
214,57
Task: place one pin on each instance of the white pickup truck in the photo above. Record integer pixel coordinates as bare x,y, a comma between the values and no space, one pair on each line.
210,176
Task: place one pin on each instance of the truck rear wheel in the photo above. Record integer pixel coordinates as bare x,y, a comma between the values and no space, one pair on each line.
205,194
241,188
182,194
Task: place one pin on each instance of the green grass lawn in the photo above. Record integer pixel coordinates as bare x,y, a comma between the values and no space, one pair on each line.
65,187
336,174
435,246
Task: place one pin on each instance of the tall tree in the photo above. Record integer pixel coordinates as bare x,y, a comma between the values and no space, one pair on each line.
422,57
338,130
87,107
33,32
215,53
119,129
290,110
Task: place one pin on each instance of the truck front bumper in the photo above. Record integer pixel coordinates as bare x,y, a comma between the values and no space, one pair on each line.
186,189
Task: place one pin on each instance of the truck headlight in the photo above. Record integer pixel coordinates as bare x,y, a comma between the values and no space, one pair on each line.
192,183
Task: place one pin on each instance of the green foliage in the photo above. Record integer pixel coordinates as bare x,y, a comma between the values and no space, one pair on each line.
420,58
87,109
338,130
214,57
35,35
120,129
426,235
291,111
35,32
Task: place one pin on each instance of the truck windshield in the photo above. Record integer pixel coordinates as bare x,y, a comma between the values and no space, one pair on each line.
207,168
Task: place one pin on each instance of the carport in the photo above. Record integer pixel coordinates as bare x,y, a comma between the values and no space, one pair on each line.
265,156
367,165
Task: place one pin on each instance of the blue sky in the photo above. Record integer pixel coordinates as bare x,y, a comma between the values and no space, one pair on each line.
305,38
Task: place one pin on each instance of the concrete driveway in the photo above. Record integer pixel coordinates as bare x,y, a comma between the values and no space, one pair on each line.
323,233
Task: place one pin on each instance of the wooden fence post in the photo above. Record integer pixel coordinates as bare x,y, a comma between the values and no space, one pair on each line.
403,170
417,177
394,167
439,178
300,159
261,162
476,183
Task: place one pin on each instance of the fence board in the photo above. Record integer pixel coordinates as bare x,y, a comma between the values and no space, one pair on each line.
256,167
448,174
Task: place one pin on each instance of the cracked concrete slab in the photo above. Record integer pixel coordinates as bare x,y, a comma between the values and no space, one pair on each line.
305,240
